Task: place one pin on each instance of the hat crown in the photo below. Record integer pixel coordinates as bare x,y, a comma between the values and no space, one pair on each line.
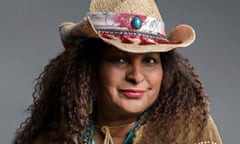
141,7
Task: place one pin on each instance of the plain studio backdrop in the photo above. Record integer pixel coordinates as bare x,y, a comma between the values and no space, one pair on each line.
29,39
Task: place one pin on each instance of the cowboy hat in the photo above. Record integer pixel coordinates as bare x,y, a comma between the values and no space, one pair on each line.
131,25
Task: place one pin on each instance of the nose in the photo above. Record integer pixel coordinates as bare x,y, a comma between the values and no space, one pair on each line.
134,74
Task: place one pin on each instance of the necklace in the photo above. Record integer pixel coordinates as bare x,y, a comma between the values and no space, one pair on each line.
128,139
89,139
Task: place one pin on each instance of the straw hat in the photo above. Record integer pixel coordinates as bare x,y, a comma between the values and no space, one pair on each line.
131,25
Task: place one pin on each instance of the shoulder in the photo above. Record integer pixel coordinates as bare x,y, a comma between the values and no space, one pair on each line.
42,139
50,136
59,137
210,134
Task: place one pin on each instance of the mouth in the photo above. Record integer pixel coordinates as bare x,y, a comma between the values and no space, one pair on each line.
132,93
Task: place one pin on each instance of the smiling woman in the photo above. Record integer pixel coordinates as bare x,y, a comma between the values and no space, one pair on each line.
129,82
120,83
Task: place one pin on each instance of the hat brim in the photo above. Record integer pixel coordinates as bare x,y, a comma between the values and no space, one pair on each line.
181,36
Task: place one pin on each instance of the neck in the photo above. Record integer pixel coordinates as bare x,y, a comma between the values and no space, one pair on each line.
117,123
113,117
117,133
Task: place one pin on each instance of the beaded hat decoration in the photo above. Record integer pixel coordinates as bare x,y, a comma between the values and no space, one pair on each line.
131,25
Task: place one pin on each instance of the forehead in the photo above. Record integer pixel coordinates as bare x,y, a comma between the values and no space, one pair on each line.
111,50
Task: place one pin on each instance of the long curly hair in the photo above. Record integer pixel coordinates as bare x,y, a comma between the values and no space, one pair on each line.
181,102
60,106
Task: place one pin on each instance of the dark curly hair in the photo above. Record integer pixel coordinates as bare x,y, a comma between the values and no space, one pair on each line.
60,98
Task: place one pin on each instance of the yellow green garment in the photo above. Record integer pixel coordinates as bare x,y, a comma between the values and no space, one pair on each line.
210,136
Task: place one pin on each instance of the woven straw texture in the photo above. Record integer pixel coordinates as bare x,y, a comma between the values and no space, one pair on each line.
181,36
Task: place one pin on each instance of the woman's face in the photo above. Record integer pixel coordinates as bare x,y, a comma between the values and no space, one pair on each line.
129,83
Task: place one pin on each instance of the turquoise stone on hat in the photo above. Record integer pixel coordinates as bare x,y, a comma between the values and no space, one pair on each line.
136,22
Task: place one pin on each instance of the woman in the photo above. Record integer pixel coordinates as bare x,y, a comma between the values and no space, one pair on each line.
120,80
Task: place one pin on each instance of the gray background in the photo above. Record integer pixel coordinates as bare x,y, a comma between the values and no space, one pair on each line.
29,38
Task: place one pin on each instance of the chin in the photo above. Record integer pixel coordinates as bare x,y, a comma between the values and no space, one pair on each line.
133,107
133,111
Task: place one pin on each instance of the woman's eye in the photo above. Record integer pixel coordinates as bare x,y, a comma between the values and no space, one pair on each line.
121,60
118,60
150,60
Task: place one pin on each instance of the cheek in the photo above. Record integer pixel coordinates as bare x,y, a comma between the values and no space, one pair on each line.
109,79
109,76
155,79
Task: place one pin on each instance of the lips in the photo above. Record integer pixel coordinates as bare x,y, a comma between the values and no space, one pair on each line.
134,94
